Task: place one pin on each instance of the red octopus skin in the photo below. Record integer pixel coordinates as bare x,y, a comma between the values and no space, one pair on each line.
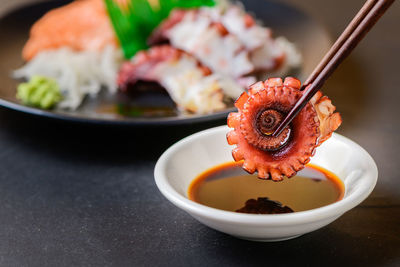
305,134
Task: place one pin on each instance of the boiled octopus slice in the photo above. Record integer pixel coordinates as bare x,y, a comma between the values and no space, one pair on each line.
208,41
191,85
227,39
259,113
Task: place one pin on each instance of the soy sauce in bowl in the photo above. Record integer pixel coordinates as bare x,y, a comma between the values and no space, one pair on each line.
229,187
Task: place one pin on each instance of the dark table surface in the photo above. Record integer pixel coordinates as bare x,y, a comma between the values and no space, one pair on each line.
82,195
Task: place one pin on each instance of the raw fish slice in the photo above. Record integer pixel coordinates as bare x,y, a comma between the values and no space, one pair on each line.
80,25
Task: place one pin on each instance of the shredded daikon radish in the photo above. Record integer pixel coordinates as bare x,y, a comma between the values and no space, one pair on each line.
77,73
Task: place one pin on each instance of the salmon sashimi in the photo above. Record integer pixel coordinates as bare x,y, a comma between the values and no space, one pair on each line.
80,25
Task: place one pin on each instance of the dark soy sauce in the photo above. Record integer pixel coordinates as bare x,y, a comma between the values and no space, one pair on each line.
229,187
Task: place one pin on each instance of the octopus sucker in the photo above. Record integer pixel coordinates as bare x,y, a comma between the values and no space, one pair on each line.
263,174
276,174
241,100
237,154
232,138
260,110
256,87
288,171
250,167
233,119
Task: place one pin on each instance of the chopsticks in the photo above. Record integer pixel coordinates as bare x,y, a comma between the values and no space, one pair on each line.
365,19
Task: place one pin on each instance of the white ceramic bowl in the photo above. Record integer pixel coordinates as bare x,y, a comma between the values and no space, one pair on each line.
183,161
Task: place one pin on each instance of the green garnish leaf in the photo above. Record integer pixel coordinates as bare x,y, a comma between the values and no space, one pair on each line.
135,21
40,91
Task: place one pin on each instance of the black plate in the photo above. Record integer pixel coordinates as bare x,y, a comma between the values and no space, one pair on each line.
312,40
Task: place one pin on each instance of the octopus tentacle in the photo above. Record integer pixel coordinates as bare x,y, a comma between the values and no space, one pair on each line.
192,86
259,112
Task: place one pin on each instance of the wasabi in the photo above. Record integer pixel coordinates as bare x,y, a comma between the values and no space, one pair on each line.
40,91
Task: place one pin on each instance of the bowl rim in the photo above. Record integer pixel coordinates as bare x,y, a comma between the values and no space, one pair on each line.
329,211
